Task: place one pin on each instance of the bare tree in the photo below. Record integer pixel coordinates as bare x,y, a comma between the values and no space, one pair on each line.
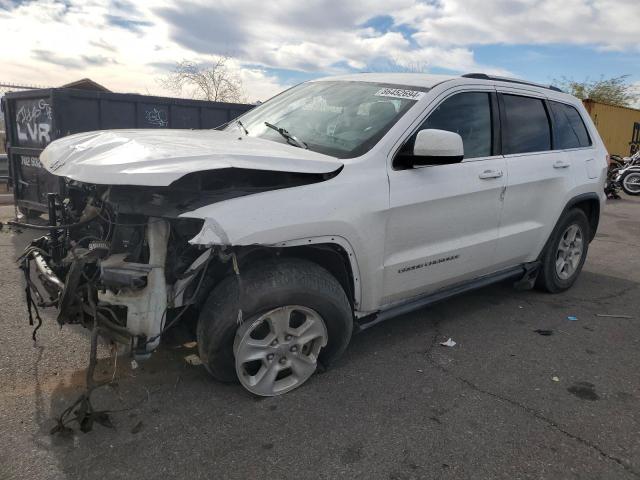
216,81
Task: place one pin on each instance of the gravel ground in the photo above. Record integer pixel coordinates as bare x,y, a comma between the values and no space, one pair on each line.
505,402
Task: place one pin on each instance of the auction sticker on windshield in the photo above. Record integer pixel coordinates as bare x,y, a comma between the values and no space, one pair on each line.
399,93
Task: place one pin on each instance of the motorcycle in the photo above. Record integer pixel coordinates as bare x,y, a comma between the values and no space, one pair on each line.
626,173
612,187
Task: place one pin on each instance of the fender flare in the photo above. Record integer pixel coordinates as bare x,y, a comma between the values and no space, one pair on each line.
180,286
593,222
342,243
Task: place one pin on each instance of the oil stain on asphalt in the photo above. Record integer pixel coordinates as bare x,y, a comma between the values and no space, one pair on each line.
584,391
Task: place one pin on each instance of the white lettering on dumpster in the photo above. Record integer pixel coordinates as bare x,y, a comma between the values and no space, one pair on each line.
30,161
33,122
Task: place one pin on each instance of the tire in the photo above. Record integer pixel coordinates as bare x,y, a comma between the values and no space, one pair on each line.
266,286
631,183
616,163
549,278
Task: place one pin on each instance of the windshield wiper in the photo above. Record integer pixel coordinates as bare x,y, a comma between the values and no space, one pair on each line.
242,127
291,139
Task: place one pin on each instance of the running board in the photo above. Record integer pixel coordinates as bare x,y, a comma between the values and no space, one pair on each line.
418,303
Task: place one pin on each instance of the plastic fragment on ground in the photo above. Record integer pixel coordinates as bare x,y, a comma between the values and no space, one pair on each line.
193,359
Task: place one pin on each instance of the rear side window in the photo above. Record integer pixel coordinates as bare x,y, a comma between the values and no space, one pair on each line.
469,115
569,127
527,125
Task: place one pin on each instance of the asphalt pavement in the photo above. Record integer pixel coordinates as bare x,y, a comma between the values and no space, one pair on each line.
504,402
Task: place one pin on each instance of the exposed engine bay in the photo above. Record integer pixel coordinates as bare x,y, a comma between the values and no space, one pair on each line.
119,257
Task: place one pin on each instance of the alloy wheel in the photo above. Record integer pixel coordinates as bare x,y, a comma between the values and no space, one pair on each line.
631,182
278,351
569,252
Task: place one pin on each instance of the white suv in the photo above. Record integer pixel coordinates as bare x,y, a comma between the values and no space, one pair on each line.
333,206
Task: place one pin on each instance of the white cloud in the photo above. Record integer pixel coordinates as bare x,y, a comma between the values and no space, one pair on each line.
125,45
602,23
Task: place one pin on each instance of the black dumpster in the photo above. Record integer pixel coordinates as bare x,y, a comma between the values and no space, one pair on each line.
35,118
4,167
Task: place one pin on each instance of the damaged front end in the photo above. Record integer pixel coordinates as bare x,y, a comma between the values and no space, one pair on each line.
115,266
121,258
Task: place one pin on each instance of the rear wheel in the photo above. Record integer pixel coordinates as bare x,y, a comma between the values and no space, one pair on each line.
295,315
631,183
565,253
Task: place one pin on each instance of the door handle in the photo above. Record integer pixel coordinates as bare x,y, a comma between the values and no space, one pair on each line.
487,174
561,164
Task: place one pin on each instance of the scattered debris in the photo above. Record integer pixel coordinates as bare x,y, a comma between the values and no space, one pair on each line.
193,359
448,343
134,364
612,316
137,427
190,345
555,379
82,410
544,333
571,318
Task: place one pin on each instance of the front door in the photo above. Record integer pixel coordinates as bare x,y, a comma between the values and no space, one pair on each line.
443,219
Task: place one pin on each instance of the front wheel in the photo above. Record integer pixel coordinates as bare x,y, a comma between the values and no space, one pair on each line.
565,253
295,314
631,183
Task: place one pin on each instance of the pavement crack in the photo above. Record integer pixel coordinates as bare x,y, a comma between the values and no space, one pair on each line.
535,413
434,338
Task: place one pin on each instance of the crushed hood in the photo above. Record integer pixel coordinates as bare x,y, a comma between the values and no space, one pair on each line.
160,157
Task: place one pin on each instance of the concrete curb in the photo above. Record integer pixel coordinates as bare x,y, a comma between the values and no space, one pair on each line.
6,198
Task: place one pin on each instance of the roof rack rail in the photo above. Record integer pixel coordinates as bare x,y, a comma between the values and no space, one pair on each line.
484,76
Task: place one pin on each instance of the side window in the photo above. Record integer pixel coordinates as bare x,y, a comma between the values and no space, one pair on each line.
469,115
527,126
569,127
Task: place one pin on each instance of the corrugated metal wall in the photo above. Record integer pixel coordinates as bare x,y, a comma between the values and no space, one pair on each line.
619,127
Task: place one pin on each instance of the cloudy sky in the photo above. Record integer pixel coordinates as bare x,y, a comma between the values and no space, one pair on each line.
126,45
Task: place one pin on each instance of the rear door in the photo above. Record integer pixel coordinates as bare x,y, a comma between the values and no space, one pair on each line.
443,219
539,177
571,135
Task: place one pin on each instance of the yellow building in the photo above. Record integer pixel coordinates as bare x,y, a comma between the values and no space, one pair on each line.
619,127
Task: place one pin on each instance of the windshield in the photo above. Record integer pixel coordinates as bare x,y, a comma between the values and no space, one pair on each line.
341,119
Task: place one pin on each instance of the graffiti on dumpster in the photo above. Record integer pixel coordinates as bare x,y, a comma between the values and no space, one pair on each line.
33,122
157,118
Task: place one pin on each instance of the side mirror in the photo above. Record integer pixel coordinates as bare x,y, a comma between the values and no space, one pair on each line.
436,147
